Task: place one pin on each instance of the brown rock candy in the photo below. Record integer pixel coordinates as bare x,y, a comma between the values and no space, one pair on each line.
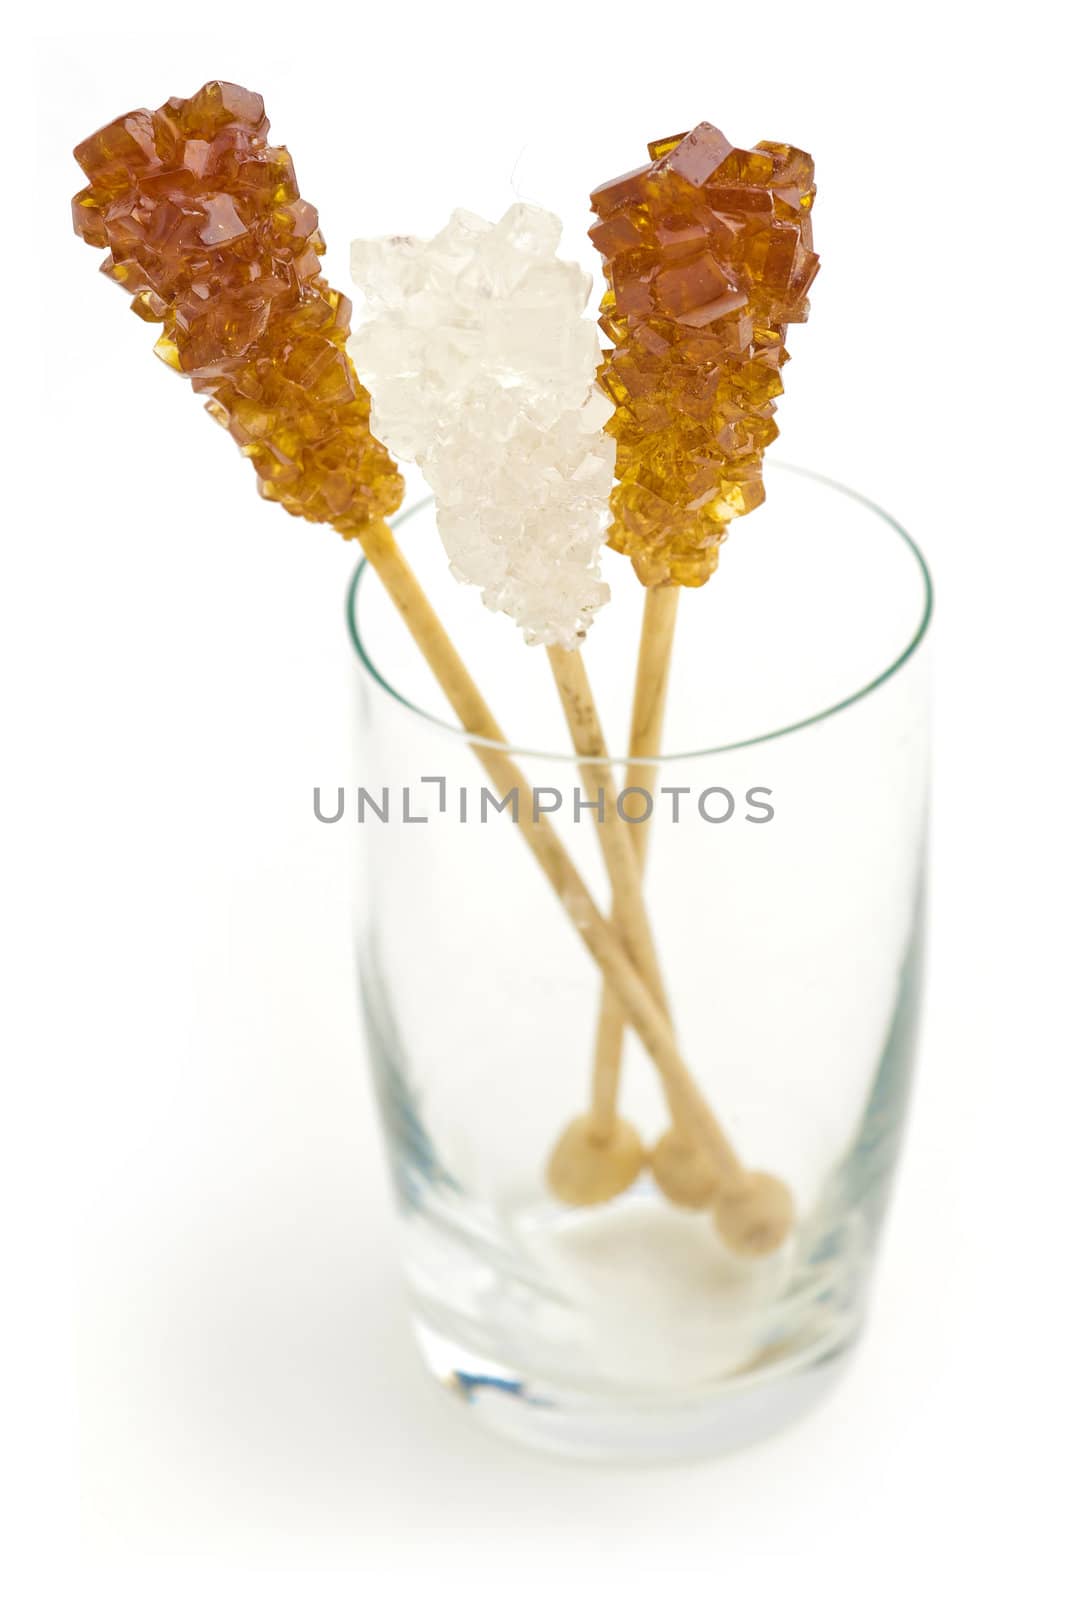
205,227
708,257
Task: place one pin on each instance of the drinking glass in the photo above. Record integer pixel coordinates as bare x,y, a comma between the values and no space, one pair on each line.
784,885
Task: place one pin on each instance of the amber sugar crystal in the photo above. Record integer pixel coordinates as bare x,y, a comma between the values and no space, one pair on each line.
708,256
205,227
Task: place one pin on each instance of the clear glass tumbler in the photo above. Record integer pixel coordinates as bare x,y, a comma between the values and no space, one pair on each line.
784,885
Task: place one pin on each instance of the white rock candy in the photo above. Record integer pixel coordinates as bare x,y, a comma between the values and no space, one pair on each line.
481,368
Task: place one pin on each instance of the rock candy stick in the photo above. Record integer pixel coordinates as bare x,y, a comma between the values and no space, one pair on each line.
482,370
708,256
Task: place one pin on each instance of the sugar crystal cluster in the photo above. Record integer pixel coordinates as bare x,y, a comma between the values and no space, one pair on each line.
708,257
206,228
482,370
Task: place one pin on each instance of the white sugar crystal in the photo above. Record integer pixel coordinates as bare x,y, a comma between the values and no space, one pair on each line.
481,368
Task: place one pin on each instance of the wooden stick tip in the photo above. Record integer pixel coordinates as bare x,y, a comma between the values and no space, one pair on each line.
756,1218
586,1168
684,1171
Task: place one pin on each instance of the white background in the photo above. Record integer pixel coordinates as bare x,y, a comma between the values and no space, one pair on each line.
184,1077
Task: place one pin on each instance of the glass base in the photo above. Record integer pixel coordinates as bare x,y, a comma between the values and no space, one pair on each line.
591,1427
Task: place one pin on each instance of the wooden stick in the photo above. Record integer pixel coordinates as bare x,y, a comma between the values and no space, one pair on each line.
646,733
680,1168
752,1219
615,834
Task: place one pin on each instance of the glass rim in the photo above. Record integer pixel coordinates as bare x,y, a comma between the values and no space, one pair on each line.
515,749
